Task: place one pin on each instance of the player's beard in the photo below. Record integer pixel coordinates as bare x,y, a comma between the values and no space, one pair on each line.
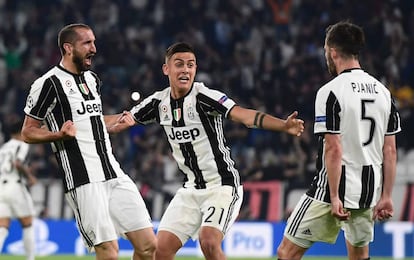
78,60
331,66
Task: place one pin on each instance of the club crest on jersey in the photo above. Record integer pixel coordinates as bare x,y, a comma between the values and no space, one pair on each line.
190,113
84,88
177,114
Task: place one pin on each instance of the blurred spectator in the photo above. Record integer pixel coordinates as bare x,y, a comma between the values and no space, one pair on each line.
263,53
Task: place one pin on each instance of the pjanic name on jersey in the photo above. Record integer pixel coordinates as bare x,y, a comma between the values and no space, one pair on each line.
369,88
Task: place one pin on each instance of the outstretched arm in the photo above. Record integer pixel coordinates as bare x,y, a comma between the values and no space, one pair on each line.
119,122
256,119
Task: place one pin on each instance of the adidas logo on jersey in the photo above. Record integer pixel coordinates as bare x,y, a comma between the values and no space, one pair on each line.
307,232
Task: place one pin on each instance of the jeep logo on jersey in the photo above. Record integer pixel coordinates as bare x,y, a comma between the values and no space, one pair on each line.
183,134
90,107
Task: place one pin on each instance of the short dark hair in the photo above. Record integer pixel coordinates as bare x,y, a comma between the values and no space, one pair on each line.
178,47
68,34
14,124
346,37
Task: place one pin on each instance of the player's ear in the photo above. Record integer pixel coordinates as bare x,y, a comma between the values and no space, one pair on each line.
165,69
333,53
68,47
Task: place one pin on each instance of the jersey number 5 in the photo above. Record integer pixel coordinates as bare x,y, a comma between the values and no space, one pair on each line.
364,103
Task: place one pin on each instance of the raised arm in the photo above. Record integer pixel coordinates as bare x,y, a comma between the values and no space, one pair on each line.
256,119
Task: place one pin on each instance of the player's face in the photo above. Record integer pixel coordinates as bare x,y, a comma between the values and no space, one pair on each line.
329,61
181,70
84,49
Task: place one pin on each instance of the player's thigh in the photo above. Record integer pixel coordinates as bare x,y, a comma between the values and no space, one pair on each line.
221,206
26,221
311,221
22,205
182,216
4,221
359,229
90,204
127,206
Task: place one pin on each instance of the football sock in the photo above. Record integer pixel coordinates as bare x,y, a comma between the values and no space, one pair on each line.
29,242
4,232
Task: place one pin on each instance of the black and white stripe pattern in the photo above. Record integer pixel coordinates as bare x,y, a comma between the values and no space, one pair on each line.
194,128
230,211
360,109
295,222
59,96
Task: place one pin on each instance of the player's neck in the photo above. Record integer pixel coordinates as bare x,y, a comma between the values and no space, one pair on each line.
17,136
347,65
69,66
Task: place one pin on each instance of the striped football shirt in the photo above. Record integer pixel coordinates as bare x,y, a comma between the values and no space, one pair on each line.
193,125
359,108
60,95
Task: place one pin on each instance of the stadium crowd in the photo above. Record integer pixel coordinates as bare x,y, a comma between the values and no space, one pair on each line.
266,54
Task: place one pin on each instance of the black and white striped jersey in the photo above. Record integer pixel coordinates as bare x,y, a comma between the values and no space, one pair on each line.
59,96
194,128
10,152
359,108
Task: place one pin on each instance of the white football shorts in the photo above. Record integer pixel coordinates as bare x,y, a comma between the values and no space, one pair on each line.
15,200
192,208
106,210
311,221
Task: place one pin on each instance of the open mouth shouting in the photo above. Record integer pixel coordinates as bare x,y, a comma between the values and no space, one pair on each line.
88,59
184,79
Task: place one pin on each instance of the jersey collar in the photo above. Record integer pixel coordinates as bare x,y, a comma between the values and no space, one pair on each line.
350,70
60,66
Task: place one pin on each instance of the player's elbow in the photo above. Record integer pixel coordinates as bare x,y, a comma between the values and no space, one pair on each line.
26,136
389,151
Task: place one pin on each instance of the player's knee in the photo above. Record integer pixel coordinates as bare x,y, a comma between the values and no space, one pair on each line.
209,245
281,253
147,250
107,251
